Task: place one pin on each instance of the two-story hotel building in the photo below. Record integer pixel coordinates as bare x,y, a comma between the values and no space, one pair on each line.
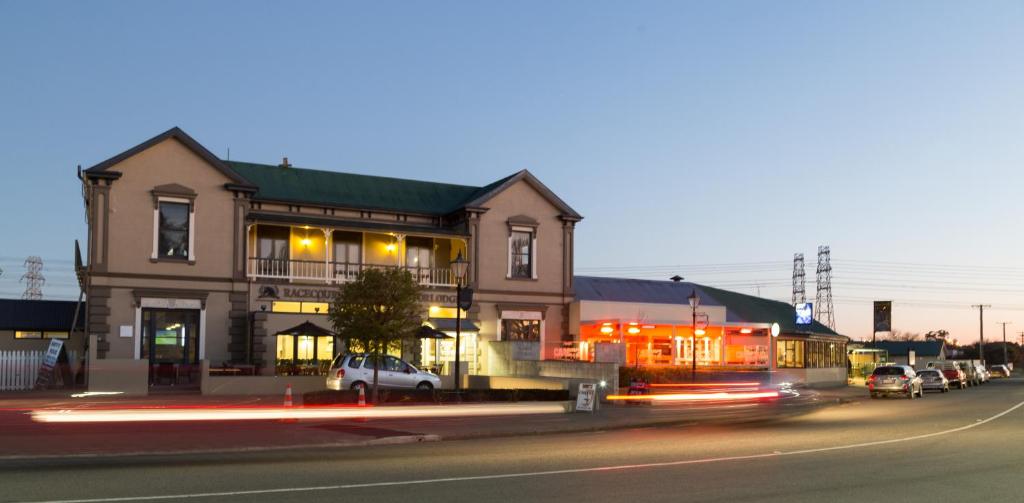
194,258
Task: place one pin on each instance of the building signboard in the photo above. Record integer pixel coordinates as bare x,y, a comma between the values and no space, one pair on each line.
53,352
586,397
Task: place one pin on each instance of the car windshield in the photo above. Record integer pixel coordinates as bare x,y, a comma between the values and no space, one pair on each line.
888,371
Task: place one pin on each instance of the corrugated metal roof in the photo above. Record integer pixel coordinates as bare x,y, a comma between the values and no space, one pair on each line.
42,315
739,307
310,186
902,348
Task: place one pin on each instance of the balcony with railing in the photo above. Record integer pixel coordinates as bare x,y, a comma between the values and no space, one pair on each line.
338,272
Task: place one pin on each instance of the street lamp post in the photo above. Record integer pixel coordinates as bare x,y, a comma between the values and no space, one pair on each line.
459,269
694,302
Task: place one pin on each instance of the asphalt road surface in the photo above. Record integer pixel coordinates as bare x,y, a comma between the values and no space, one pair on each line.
959,446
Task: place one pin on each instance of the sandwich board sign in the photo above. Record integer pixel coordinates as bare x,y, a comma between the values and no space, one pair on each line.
586,397
53,353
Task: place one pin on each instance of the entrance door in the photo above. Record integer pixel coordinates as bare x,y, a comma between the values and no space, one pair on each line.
170,341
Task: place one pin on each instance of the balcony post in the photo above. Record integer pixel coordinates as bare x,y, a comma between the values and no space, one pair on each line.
328,274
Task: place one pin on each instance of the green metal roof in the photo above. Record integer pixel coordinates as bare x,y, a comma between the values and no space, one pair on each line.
750,308
330,188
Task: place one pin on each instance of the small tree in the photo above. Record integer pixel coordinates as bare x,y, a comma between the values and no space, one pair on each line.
378,310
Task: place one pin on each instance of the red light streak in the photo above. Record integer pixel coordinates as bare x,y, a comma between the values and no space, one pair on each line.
695,397
706,385
274,413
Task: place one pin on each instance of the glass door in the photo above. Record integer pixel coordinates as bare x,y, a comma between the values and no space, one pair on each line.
170,341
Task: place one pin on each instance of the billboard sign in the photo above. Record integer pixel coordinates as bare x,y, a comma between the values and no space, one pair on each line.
804,313
883,315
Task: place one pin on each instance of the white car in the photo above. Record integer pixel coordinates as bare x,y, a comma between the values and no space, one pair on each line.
355,370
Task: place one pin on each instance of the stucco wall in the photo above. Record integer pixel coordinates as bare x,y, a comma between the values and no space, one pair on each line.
520,199
130,243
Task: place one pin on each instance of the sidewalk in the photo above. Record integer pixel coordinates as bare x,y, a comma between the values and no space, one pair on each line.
22,439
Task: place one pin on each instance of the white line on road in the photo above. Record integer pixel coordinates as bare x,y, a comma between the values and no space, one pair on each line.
544,473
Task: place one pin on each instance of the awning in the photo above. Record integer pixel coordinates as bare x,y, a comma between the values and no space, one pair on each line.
307,328
428,332
448,325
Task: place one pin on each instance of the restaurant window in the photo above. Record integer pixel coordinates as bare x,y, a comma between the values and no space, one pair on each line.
790,354
521,254
55,335
288,306
173,230
28,335
304,354
520,330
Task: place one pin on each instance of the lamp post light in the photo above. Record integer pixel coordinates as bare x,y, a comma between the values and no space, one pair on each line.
694,302
459,268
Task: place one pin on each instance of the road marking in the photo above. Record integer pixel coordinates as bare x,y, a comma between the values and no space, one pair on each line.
543,473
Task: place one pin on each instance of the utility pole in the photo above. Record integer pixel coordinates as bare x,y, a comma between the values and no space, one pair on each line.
981,331
1005,358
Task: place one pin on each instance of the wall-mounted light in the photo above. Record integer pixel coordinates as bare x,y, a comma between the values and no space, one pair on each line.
305,242
607,329
390,247
699,331
633,330
776,329
745,330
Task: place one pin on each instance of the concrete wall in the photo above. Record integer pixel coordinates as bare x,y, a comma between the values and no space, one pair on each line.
129,376
507,382
814,378
262,385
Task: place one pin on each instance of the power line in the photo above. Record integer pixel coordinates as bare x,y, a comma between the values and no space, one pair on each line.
33,278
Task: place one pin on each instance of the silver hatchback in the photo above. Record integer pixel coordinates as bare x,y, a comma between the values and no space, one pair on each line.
895,379
933,379
355,370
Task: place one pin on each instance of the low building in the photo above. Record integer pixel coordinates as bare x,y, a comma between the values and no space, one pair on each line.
651,323
917,354
193,259
30,325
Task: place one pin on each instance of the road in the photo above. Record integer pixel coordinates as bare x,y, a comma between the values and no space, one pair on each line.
956,446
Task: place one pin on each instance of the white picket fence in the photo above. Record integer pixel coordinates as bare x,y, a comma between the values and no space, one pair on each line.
18,369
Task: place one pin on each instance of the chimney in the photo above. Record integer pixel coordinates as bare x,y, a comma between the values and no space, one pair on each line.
284,163
676,279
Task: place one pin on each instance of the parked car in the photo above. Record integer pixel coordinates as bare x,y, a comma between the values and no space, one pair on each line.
355,370
986,376
954,374
971,372
895,379
999,371
933,379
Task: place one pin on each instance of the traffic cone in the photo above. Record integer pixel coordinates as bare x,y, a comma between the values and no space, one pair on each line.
288,404
362,396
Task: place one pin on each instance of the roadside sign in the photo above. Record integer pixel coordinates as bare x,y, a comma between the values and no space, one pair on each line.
53,352
586,397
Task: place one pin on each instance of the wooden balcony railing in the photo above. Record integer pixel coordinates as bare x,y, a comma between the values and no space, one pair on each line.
337,272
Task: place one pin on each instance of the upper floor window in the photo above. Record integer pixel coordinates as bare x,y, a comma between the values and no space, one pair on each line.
272,242
173,233
419,252
522,254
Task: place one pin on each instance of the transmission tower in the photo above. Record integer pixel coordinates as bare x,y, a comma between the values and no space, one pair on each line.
33,278
823,310
799,293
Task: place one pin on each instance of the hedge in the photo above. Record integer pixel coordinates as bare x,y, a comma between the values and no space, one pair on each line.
435,396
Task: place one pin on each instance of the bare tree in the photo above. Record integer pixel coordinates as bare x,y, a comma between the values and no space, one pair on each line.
902,335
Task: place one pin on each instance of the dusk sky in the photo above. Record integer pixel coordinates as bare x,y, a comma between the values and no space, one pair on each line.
711,141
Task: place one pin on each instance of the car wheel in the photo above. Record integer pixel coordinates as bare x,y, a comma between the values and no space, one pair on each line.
874,395
910,394
358,384
425,386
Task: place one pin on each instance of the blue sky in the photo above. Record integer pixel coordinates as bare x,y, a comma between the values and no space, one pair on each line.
712,140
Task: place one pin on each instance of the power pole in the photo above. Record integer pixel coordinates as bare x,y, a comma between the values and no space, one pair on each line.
981,331
1005,358
799,276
